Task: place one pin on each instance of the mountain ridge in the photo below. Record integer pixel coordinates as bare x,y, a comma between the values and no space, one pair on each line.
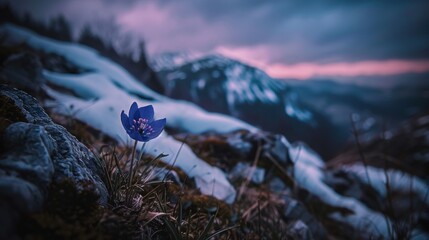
302,110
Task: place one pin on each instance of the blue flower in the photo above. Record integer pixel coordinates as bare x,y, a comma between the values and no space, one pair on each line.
140,125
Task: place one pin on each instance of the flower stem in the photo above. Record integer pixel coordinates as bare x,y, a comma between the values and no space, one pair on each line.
138,160
132,163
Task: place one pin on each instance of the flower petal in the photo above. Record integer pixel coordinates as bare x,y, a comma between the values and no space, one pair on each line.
157,127
125,121
147,112
133,109
136,136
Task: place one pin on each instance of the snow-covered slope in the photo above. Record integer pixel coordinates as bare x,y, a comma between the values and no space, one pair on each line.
107,89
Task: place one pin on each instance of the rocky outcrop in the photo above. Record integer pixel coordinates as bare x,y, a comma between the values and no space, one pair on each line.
296,211
35,153
234,152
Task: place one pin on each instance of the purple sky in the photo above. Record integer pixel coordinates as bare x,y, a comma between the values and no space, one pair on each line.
294,38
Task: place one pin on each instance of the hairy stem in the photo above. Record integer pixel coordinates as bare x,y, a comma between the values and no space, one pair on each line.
132,163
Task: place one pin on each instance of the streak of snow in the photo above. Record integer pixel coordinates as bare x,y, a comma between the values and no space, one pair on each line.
309,175
398,181
201,83
177,75
423,120
294,111
196,67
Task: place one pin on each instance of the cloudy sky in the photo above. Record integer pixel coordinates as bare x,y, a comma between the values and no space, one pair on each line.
286,38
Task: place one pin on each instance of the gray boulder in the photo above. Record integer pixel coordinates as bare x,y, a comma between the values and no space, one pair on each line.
35,152
298,230
296,211
27,154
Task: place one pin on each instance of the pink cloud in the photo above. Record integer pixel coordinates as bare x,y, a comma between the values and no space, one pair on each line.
165,29
346,69
259,57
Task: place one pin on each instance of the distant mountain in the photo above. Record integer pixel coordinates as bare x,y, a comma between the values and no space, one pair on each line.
382,82
370,108
227,86
318,112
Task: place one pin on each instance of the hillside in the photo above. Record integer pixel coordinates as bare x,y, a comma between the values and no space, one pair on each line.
258,183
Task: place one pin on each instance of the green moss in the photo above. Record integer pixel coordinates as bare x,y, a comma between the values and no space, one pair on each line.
198,202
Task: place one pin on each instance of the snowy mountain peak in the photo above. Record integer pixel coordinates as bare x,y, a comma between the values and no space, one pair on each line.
224,85
170,60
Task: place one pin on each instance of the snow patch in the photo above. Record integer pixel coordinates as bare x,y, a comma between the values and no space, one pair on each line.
242,86
201,83
292,110
398,181
308,172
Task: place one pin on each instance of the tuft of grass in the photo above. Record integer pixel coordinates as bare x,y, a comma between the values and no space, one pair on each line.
158,206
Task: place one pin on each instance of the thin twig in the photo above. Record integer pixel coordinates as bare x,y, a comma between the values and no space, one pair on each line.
252,170
360,150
